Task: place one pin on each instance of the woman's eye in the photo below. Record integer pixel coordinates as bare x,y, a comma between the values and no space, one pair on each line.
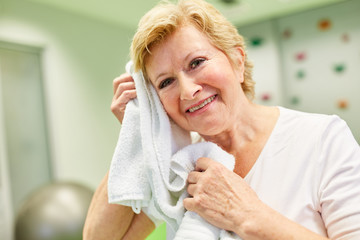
196,63
165,83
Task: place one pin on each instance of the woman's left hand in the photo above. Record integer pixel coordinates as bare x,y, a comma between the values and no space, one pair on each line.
221,196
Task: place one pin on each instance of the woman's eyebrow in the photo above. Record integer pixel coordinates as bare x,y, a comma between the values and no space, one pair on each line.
196,52
159,76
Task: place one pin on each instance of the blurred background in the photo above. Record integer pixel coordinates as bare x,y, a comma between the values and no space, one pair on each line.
58,59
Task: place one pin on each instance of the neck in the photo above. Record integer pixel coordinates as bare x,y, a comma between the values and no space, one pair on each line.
241,130
246,135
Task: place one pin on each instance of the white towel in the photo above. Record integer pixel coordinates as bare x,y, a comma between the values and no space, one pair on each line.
151,162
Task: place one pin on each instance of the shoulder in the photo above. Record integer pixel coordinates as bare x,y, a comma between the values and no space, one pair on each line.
329,134
306,117
311,123
316,132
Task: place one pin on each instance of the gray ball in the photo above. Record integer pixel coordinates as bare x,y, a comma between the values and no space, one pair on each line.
54,212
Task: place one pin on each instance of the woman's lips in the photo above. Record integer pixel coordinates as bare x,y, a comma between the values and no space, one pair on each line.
201,105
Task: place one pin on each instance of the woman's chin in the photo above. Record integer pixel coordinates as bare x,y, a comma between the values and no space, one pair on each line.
210,129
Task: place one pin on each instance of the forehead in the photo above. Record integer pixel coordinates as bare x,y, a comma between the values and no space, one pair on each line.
185,34
177,46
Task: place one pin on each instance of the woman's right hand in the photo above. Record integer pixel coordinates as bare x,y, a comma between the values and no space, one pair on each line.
124,91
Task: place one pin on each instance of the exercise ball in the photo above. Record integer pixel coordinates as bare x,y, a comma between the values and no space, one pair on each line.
54,212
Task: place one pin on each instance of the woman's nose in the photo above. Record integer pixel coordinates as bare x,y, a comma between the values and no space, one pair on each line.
188,87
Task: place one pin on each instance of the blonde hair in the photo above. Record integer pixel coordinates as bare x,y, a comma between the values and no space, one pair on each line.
166,18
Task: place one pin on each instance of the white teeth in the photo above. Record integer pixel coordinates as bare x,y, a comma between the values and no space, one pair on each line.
193,109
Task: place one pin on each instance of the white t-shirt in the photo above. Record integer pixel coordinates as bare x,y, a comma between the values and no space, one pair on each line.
309,171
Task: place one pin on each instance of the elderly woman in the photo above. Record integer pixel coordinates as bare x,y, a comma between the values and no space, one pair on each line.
296,175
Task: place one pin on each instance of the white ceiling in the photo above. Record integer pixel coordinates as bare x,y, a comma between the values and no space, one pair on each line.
128,12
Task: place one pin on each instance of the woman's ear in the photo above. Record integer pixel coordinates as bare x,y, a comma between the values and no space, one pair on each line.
240,53
240,62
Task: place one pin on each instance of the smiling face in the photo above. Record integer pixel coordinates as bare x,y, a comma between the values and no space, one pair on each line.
196,82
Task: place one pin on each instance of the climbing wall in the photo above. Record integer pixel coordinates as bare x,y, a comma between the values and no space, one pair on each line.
319,56
320,53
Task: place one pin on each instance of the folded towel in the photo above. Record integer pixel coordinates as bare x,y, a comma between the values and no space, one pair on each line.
195,227
151,162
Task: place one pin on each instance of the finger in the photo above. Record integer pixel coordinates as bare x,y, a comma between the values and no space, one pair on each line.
193,177
120,103
125,86
188,204
191,188
125,77
127,95
203,163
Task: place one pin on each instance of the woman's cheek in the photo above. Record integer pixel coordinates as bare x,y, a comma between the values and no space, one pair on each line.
170,104
214,77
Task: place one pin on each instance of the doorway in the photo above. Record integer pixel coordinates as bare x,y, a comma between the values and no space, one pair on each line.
25,159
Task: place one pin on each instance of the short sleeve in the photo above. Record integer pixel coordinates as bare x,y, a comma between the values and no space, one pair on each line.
339,172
